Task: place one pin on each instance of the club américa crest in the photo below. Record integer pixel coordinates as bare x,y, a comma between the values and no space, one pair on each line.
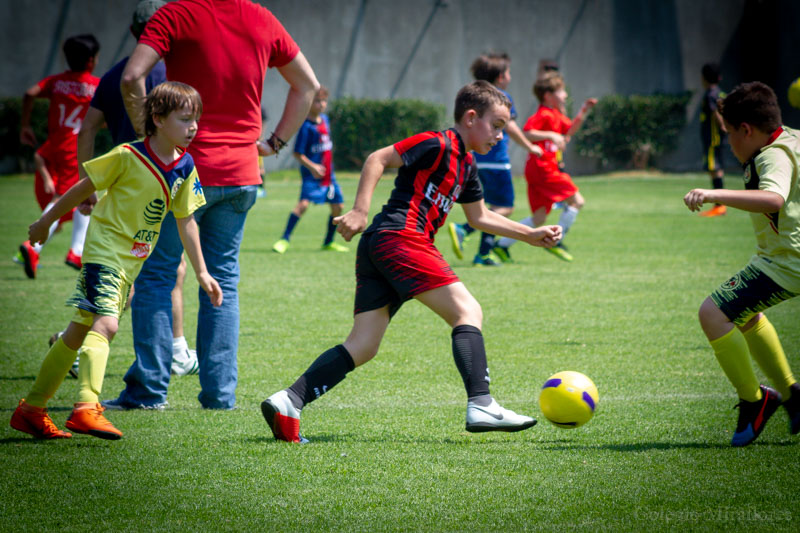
732,284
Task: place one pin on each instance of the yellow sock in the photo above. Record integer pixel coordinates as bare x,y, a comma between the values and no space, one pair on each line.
734,358
54,369
94,356
766,349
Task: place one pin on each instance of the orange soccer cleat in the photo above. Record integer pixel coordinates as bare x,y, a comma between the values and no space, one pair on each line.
30,259
35,421
88,418
717,210
73,260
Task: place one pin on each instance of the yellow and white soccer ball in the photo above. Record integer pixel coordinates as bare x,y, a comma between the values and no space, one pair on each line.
568,399
794,93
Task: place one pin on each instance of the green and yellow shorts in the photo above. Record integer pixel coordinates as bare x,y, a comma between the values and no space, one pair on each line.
748,293
100,290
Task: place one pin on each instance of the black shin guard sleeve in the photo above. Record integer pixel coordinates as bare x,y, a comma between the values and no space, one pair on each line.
325,372
470,357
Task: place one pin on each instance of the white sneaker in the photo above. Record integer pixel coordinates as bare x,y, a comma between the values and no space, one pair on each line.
493,417
184,362
283,417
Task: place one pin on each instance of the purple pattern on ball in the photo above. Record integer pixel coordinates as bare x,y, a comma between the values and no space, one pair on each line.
588,399
555,382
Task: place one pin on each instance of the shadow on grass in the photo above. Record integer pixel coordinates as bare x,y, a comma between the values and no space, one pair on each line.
648,446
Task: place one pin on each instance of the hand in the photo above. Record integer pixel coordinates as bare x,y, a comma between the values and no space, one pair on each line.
38,232
546,236
26,136
211,287
48,185
695,198
537,150
559,140
350,224
589,103
264,149
317,170
87,206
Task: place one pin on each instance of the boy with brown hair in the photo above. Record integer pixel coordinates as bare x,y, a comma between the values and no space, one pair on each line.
397,260
547,183
732,316
144,180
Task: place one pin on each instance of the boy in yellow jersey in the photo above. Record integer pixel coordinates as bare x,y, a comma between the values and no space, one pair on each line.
732,317
144,180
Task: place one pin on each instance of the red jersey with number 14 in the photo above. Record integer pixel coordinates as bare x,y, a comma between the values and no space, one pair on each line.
437,172
70,94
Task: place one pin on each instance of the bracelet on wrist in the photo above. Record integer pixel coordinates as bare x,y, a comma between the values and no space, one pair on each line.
276,143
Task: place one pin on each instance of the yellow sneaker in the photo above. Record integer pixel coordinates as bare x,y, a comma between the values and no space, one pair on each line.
89,419
335,247
559,251
35,421
281,246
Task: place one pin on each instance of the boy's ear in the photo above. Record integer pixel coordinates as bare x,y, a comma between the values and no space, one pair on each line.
158,120
469,117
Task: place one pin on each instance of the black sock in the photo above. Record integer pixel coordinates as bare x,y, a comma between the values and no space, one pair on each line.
717,183
329,232
470,356
487,243
467,228
330,368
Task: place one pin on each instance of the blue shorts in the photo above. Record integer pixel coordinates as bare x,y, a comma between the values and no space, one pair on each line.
498,190
319,194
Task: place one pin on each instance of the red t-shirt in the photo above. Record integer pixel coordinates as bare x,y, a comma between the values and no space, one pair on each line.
546,119
222,48
69,93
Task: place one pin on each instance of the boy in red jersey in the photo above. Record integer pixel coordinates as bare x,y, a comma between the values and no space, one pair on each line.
547,183
56,159
397,260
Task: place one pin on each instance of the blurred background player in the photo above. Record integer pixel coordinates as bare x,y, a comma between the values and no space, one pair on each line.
313,149
547,183
494,168
732,316
107,107
56,159
712,133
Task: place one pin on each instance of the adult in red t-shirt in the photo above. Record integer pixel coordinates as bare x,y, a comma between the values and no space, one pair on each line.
56,159
223,49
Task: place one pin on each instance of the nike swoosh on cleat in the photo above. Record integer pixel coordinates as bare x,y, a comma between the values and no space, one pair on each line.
495,416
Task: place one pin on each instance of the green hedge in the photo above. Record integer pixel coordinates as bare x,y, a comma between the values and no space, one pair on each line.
20,154
360,126
631,131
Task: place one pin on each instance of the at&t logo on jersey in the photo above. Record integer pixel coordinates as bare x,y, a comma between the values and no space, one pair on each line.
154,212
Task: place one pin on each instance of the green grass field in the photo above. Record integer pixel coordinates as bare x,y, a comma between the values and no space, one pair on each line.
388,449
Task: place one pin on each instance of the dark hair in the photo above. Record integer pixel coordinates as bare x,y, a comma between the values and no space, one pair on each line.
479,95
549,82
323,92
754,103
490,66
711,73
168,97
79,50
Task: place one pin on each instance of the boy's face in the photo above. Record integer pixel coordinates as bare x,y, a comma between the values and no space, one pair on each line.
743,144
179,127
556,99
503,79
482,133
318,106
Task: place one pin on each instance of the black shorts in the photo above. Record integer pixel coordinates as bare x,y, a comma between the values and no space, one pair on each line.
748,293
394,266
713,158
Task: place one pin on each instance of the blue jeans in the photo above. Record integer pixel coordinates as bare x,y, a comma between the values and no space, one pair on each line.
221,224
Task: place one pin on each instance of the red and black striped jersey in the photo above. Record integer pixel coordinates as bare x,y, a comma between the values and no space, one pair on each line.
437,172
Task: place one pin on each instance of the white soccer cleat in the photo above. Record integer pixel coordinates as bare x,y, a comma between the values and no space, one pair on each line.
185,362
493,417
283,417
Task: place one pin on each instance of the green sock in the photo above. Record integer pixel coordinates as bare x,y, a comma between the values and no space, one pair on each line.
54,369
766,349
94,356
734,358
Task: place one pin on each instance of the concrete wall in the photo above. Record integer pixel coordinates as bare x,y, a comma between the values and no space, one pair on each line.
363,48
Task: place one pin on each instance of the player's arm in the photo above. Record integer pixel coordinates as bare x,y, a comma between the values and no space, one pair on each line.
355,220
26,134
541,135
303,85
754,201
92,123
317,170
40,166
481,218
39,230
577,122
190,237
513,130
132,84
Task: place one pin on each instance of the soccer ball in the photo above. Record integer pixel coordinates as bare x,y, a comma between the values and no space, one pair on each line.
794,93
568,399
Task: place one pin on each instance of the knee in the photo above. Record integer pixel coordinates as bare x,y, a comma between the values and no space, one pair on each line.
470,314
576,201
361,351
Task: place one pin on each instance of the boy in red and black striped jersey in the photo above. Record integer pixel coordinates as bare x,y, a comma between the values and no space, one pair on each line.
397,259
